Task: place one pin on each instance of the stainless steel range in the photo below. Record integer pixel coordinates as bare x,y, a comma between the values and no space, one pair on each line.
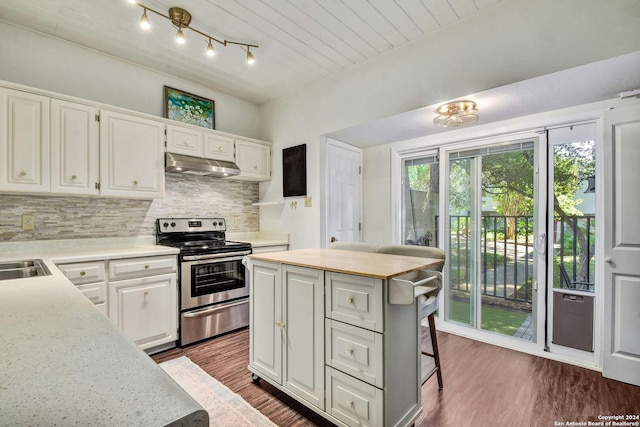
214,293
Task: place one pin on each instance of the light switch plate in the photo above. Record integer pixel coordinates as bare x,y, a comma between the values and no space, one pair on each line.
307,202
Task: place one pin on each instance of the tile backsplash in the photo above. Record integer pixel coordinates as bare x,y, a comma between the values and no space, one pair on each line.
67,217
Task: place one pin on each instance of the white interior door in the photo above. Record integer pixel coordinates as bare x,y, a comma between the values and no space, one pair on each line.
344,192
621,359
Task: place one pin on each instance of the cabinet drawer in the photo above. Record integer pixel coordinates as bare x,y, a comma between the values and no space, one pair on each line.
95,292
352,401
184,141
219,147
123,268
84,272
355,300
355,351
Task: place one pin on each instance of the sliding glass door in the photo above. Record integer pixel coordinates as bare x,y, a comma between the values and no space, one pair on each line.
492,200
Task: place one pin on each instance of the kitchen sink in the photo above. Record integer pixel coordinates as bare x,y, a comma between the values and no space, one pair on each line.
23,269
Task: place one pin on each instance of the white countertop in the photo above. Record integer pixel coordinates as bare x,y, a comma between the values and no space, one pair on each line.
260,238
62,362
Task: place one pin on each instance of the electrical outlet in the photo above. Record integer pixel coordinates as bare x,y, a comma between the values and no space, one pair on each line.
28,222
307,202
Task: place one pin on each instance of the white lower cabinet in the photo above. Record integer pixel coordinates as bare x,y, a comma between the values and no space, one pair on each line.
138,294
287,333
145,309
90,278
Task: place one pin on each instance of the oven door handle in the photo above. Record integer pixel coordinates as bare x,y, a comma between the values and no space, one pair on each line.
210,310
215,257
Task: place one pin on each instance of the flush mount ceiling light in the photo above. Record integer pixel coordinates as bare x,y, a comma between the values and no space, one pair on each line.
181,19
456,113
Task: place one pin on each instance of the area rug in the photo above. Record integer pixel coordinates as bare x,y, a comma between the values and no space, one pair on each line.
225,407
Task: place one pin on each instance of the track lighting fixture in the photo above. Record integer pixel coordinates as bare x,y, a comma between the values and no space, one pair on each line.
181,19
456,113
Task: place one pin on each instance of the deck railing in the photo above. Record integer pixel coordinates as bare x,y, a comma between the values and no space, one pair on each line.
506,253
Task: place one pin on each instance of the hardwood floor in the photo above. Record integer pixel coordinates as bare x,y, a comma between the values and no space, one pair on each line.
484,385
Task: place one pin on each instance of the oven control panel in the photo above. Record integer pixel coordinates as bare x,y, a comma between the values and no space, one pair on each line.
187,225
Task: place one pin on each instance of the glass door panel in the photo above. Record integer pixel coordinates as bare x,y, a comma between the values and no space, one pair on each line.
420,201
491,234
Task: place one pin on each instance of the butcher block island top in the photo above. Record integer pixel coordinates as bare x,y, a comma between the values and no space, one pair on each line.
369,264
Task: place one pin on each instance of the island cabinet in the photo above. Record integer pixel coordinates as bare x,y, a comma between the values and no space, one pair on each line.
339,331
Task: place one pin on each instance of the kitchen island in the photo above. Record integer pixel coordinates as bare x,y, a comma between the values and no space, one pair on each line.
339,331
62,362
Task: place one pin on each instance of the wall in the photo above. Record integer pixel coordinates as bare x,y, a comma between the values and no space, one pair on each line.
43,62
532,38
35,60
60,217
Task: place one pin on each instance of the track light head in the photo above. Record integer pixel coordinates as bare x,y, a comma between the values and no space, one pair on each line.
250,59
144,20
210,50
180,36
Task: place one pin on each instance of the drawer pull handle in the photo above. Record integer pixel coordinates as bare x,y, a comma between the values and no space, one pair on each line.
350,352
280,325
350,403
349,300
146,267
82,273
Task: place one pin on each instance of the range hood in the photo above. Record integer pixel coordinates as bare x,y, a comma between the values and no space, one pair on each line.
178,163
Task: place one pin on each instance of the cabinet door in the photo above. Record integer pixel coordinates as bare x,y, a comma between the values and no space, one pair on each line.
265,333
303,358
131,156
145,309
254,160
218,147
74,148
24,141
181,140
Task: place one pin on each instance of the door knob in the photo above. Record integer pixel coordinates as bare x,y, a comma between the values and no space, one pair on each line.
333,239
608,260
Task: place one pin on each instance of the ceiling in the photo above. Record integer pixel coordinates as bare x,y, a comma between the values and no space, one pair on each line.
300,41
594,82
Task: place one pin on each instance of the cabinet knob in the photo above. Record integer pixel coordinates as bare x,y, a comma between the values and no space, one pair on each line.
350,352
73,177
220,148
23,173
255,166
82,273
185,143
350,403
135,182
146,293
349,300
146,267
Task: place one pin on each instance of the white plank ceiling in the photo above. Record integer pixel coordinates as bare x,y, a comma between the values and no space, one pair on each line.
301,41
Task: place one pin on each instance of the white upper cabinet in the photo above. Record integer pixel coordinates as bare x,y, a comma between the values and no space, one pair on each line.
24,141
208,144
131,156
74,148
254,160
183,140
218,147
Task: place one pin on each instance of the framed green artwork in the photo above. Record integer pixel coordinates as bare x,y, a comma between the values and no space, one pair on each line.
189,108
